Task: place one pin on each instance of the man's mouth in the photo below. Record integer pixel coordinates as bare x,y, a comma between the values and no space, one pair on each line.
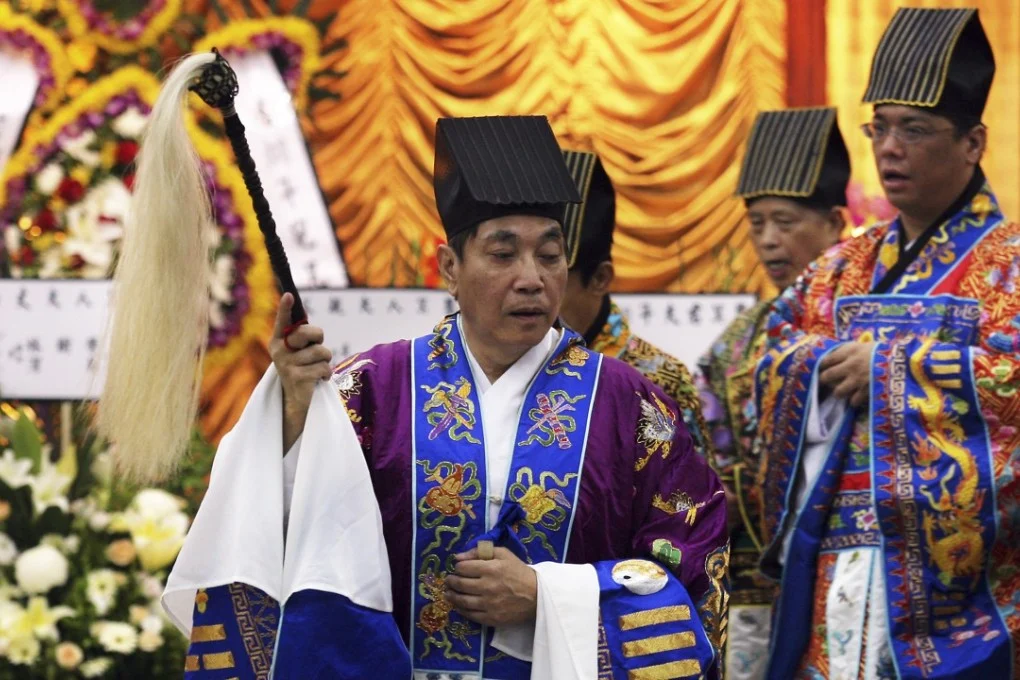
894,178
777,267
526,313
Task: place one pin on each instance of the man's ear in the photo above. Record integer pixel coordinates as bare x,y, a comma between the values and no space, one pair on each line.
977,140
449,264
602,279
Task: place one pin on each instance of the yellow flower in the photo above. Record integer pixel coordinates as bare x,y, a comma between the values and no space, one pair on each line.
76,87
5,510
40,620
108,154
82,54
157,526
82,174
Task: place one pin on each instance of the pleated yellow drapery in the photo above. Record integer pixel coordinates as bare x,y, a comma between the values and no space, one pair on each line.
854,29
665,91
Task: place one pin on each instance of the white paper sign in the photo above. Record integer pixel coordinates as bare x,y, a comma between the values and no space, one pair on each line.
49,330
288,177
20,83
49,334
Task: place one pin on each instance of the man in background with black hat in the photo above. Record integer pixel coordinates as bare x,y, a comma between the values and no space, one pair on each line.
888,397
540,508
793,181
587,307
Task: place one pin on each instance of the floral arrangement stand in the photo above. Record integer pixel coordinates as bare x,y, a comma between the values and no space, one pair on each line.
83,560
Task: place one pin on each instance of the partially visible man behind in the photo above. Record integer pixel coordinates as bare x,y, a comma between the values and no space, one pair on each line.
889,397
793,181
587,306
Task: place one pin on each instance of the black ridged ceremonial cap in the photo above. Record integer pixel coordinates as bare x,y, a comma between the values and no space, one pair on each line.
797,154
588,225
933,58
495,166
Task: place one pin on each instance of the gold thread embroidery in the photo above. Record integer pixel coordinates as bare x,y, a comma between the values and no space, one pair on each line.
655,430
659,643
551,424
688,668
651,617
679,501
191,663
451,410
218,662
213,633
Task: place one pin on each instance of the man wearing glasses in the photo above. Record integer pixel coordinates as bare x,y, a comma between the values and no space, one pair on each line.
889,397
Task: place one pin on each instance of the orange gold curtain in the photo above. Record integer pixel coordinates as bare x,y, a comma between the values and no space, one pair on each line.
664,90
854,29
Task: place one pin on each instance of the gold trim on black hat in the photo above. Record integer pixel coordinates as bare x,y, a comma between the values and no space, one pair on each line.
911,64
786,153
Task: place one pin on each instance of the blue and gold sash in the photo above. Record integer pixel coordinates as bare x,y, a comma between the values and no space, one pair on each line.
451,488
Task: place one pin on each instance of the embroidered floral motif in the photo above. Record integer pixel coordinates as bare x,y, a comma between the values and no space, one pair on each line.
655,429
714,605
550,422
347,382
457,486
574,355
679,501
546,507
453,410
434,619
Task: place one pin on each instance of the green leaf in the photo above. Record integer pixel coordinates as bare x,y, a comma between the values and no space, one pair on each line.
27,441
274,6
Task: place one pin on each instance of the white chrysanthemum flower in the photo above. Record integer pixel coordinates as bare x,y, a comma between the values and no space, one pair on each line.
95,668
99,520
114,636
152,624
23,651
79,148
49,178
15,472
151,587
148,641
101,588
130,124
8,551
41,568
68,655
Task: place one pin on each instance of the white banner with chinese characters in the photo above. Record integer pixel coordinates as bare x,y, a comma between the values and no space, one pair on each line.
20,83
50,330
287,175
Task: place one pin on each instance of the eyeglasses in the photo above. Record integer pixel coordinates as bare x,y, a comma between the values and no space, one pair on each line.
910,135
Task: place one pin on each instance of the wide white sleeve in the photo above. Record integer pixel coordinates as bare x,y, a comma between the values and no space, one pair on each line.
237,534
562,643
334,539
